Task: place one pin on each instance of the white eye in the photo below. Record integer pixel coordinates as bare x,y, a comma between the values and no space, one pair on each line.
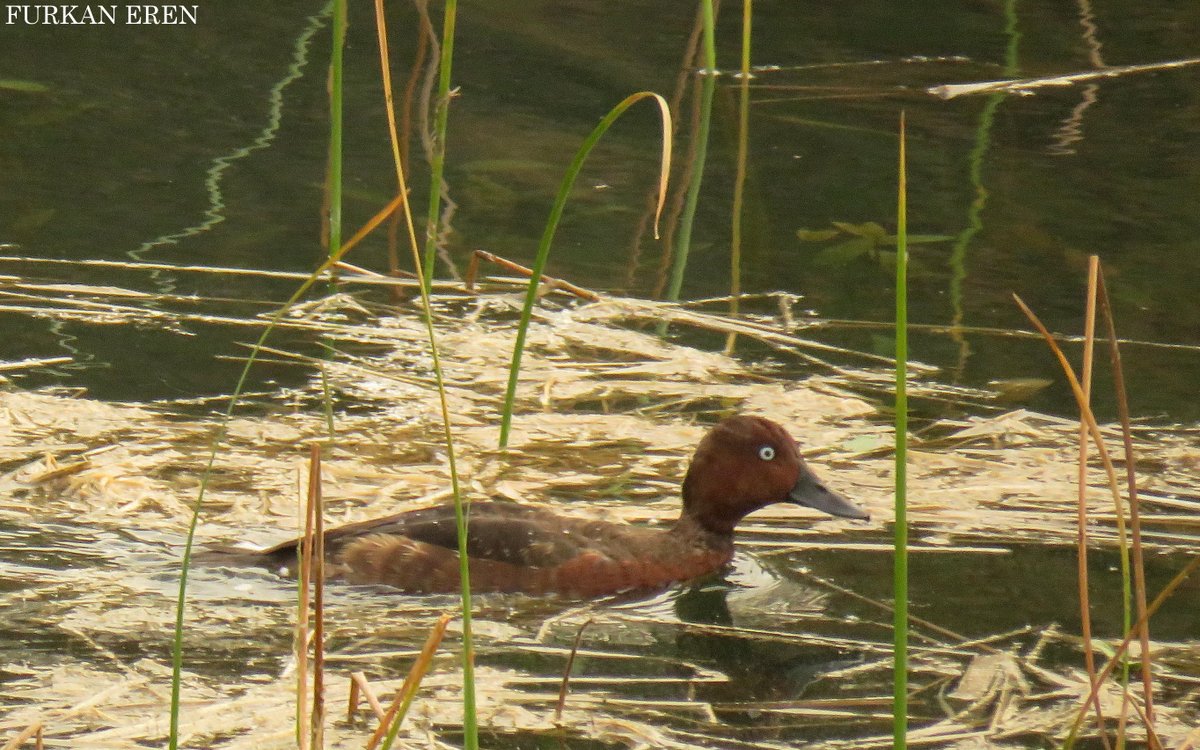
766,453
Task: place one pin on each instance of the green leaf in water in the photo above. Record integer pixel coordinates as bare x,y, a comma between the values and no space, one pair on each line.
28,87
844,252
869,230
816,235
866,239
919,239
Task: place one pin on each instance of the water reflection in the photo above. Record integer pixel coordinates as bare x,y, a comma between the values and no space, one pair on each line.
1027,196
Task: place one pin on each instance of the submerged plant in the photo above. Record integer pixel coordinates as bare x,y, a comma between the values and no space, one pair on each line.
858,241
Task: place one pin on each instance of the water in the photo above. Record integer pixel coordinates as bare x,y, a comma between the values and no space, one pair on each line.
114,154
144,137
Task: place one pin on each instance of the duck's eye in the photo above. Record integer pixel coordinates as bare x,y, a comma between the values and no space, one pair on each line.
766,453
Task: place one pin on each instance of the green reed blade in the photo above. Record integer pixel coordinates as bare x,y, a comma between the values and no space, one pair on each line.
441,117
560,202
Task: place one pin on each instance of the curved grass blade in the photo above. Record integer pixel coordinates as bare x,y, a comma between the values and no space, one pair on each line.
1086,416
560,202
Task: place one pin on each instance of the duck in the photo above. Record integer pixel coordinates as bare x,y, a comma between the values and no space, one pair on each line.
742,464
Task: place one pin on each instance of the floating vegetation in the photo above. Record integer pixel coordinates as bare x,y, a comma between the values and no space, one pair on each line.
860,241
95,497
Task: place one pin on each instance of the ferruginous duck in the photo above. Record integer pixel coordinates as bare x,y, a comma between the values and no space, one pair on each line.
742,464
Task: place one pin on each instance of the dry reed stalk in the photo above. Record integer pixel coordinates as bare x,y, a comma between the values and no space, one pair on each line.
1086,415
1152,739
33,730
1162,597
28,364
931,626
693,61
424,273
425,35
60,471
359,685
342,265
316,512
393,248
553,283
405,693
1135,521
305,578
1085,605
566,678
472,272
676,314
37,728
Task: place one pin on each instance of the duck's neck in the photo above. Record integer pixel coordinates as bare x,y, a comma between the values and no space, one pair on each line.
689,529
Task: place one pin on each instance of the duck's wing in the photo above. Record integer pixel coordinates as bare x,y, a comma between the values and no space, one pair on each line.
502,532
511,548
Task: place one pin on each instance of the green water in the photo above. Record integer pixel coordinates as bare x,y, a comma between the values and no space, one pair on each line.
114,152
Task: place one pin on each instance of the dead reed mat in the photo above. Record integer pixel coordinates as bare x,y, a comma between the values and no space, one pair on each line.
99,494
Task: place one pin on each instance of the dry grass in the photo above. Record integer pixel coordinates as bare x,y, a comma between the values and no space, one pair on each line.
604,410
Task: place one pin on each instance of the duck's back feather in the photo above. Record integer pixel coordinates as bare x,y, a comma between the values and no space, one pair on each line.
511,548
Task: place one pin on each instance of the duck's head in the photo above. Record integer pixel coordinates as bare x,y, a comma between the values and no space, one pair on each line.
746,463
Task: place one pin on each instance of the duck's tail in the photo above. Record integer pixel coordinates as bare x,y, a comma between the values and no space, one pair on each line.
232,555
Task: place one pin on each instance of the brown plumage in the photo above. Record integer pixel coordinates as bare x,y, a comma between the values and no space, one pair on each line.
741,465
